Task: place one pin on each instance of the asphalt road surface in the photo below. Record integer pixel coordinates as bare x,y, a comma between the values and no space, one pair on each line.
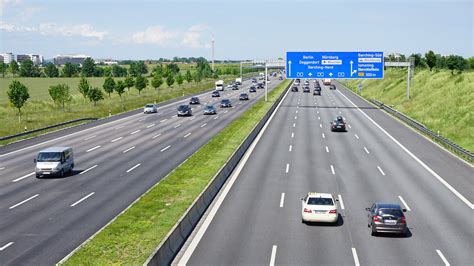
43,220
258,222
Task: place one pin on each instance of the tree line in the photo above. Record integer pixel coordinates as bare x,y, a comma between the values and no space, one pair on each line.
436,61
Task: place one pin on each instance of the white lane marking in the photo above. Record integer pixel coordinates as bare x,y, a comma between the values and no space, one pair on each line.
356,258
327,149
1,168
119,127
178,125
357,137
332,170
174,116
203,125
340,201
319,118
367,151
282,200
24,201
440,254
296,111
433,173
192,118
129,149
292,134
296,117
216,117
187,135
320,125
380,169
143,119
91,137
349,126
404,203
152,125
81,200
290,148
340,112
134,132
114,140
272,257
297,107
131,169
165,148
212,213
88,169
23,177
6,246
95,148
287,168
317,112
294,124
156,136
164,120
225,112
324,136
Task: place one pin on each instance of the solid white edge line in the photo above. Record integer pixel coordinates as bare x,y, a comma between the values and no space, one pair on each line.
202,230
165,148
340,201
440,254
88,169
272,257
367,151
81,200
95,148
332,170
187,135
282,200
24,201
136,131
356,258
380,169
404,203
6,246
131,169
433,173
23,177
114,140
129,149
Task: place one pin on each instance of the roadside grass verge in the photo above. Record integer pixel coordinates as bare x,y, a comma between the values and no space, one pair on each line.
135,234
441,101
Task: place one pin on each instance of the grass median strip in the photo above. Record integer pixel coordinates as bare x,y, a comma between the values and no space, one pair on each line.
134,235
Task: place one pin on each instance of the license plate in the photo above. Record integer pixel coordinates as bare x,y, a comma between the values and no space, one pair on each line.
46,173
338,126
391,222
319,211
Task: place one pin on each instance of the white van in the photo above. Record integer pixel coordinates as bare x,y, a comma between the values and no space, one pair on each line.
55,161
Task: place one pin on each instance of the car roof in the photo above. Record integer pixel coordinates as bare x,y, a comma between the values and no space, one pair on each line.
319,195
382,205
55,149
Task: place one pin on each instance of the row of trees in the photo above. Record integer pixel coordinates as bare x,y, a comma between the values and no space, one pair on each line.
431,60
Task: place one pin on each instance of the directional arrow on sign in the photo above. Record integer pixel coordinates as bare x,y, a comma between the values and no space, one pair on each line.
352,71
330,74
289,68
310,74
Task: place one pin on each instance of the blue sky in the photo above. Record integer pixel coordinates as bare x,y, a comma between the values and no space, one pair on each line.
242,29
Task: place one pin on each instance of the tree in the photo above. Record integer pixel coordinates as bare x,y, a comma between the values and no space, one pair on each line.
179,79
159,70
129,82
109,85
18,95
51,70
470,62
120,89
430,59
28,69
419,61
441,62
157,81
456,62
170,80
3,68
70,70
140,83
137,68
188,76
95,95
174,68
461,63
197,77
13,67
84,87
60,94
88,67
118,71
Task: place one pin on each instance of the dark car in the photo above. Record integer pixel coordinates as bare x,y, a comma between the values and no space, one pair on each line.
260,85
184,110
338,124
244,97
332,87
225,103
386,218
235,87
306,89
216,94
280,77
317,92
210,110
194,100
253,89
294,88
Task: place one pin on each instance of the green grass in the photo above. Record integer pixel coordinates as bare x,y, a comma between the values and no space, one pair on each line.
134,235
438,100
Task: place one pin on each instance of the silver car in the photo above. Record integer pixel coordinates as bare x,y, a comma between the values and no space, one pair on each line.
386,218
149,108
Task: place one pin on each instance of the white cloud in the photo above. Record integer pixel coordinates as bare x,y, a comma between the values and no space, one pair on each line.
8,3
13,28
192,37
82,30
154,35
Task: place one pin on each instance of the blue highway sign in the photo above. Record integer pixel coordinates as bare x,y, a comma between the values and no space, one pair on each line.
347,65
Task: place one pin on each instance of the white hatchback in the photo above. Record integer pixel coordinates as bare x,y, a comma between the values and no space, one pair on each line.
319,207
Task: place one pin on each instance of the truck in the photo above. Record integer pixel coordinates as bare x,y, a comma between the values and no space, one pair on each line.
219,85
327,81
238,81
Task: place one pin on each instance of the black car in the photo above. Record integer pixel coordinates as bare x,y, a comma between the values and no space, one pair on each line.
338,124
225,103
184,110
306,89
280,78
253,89
216,94
317,92
210,110
244,97
386,218
332,87
194,100
294,88
260,85
235,87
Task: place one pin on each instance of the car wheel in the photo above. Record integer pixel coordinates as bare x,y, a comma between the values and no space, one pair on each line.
61,174
38,176
373,232
302,221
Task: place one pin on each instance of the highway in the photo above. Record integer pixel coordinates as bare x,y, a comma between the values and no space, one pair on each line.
43,220
256,220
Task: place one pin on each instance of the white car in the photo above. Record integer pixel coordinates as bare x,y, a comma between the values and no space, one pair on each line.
319,207
149,108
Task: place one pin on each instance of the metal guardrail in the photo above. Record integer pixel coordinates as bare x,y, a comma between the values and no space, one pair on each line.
172,243
419,126
46,128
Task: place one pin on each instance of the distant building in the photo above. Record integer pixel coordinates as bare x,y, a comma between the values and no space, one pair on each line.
107,62
1,58
35,58
60,60
20,58
8,57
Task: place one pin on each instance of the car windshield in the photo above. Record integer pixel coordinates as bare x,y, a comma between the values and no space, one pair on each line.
320,201
49,157
243,95
225,101
194,99
183,107
149,106
390,212
209,107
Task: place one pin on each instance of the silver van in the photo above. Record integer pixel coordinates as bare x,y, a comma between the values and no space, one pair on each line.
55,161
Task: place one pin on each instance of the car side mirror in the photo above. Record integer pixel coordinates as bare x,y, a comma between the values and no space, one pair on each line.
367,209
404,210
34,160
301,198
337,199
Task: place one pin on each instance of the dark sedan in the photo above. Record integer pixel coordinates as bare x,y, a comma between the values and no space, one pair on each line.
184,110
332,87
317,92
253,89
210,110
294,88
226,103
244,97
216,94
194,100
387,218
306,89
338,124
